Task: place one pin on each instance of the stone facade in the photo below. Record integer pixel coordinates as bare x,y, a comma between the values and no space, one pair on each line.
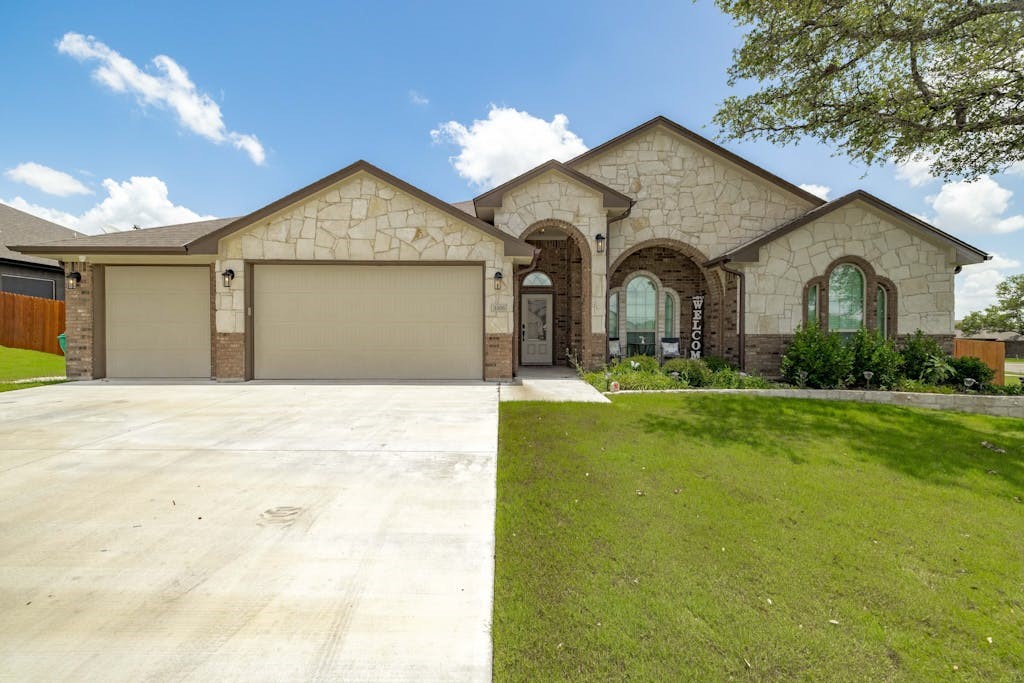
685,193
920,270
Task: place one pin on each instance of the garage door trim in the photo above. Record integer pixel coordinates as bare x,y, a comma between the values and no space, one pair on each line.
251,312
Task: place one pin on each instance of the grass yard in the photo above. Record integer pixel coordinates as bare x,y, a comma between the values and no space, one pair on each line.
22,364
717,537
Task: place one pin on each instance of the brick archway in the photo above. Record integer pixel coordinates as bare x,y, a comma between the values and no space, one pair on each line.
582,312
721,307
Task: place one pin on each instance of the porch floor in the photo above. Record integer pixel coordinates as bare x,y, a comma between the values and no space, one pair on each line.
550,383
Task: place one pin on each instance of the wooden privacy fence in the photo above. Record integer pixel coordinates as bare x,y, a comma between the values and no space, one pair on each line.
28,322
992,353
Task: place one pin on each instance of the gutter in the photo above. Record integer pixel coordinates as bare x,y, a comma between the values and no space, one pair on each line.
741,312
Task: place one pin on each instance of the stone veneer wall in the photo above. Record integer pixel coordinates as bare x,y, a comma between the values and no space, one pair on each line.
79,324
687,194
921,271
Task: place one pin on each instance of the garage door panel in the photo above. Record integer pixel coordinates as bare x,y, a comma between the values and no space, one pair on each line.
368,322
157,321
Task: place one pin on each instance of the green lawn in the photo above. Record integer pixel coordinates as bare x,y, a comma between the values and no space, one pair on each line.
717,537
22,364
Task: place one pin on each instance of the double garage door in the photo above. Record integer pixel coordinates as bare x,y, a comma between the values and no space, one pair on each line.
308,322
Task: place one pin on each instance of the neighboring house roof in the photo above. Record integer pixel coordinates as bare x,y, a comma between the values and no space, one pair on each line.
703,142
18,227
986,335
750,251
207,244
613,199
167,239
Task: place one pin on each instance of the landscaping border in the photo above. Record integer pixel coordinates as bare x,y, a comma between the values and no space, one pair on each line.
998,406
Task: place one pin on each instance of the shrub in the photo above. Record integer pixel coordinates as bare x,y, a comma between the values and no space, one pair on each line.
694,372
732,379
970,367
1008,390
875,354
716,363
938,369
643,380
921,387
824,358
643,363
596,380
916,352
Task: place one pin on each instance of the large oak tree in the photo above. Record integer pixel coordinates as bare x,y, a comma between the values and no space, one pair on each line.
884,80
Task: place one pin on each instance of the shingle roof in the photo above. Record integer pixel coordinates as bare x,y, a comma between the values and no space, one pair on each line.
164,239
18,227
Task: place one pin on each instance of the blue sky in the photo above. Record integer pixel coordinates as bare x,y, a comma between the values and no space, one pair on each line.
250,102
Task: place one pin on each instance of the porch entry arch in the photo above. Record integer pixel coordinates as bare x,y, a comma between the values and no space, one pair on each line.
678,271
564,256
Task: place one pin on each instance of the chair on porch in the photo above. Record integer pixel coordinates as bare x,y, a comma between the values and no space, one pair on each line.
669,348
614,349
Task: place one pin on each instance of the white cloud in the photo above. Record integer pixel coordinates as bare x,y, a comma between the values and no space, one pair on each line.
49,180
169,88
822,191
976,284
140,200
974,207
417,98
507,143
915,171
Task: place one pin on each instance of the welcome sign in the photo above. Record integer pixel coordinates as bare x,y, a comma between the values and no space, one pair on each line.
697,327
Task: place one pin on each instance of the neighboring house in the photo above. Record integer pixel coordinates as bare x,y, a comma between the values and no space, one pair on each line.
658,233
1013,342
30,275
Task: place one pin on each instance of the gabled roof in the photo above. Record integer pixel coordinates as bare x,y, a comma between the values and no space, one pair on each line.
17,227
749,252
207,244
613,199
166,239
703,142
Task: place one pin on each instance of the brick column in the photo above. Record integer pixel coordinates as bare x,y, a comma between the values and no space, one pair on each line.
79,319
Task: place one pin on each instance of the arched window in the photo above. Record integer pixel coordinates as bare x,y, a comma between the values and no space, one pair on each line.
882,311
537,279
670,315
613,315
846,297
812,305
641,316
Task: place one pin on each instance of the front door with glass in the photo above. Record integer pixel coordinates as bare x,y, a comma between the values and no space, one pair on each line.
535,329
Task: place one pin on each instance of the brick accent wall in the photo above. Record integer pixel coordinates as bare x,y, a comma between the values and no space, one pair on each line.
561,261
598,351
764,353
79,318
498,356
228,356
682,274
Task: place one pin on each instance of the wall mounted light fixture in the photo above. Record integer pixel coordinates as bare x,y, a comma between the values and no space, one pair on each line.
498,277
228,276
599,238
72,279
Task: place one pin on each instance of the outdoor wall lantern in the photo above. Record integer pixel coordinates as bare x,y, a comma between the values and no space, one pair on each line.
73,278
498,277
599,238
228,276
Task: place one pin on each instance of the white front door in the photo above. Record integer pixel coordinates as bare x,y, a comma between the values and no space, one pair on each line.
536,331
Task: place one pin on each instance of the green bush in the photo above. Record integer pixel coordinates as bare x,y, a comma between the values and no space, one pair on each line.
921,387
1008,390
971,367
716,363
876,354
823,356
694,372
643,380
732,379
642,363
916,351
596,380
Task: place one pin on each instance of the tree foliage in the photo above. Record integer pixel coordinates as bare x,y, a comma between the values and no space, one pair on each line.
1006,315
941,80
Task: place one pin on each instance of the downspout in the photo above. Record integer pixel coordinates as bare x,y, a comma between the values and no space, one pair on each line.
741,313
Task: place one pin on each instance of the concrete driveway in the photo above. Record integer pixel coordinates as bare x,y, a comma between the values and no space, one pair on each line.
247,532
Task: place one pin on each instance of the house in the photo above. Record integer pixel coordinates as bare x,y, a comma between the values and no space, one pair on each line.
25,274
656,234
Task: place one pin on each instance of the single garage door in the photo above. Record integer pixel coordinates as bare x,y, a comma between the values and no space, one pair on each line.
367,322
158,321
